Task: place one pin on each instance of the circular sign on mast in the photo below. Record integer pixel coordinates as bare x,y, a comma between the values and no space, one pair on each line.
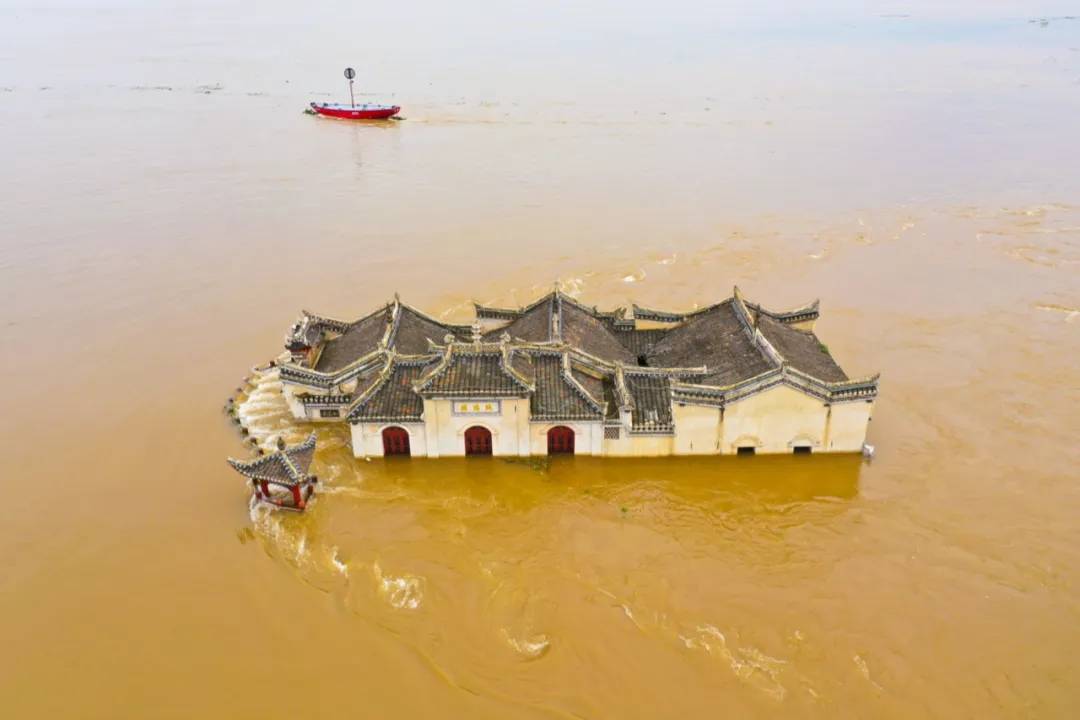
350,73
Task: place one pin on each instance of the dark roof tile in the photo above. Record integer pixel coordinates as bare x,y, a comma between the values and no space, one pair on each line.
414,330
555,397
801,349
640,342
473,373
582,329
652,403
715,338
534,324
286,467
360,339
394,398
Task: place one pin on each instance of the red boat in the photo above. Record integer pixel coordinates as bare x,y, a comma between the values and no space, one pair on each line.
365,111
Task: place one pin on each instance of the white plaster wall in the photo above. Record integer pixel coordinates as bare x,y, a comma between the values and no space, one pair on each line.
367,438
639,445
848,425
697,429
773,420
295,406
446,431
588,437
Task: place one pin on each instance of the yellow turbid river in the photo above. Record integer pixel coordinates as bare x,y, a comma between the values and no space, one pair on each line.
166,210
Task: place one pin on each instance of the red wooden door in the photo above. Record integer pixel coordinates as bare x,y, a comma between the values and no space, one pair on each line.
560,441
477,441
395,441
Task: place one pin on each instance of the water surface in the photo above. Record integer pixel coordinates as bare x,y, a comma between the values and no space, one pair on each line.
166,210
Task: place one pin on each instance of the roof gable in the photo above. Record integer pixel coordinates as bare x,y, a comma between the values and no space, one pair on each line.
558,395
361,338
284,467
392,396
716,338
480,369
580,328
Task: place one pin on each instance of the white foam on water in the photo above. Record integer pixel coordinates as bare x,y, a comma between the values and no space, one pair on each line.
1069,312
864,670
301,549
748,664
404,592
532,647
337,563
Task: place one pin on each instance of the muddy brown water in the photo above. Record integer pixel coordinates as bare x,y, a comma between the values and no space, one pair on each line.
167,210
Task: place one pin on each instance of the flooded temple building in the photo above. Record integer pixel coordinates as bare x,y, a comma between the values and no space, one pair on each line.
560,377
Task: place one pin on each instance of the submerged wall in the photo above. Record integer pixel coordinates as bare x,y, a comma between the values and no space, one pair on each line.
367,438
777,420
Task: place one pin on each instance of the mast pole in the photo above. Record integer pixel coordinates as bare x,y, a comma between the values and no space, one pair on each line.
349,75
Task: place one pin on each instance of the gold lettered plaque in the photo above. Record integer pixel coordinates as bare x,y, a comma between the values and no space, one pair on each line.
476,407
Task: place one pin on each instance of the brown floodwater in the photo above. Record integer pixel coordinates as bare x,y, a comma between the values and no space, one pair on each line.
166,210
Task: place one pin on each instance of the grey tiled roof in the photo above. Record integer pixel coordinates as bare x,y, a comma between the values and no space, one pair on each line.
393,397
611,398
523,365
534,324
652,403
284,467
413,330
640,342
801,349
473,373
715,338
555,397
594,386
583,330
361,338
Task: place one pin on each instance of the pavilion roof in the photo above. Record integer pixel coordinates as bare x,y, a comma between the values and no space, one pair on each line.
283,467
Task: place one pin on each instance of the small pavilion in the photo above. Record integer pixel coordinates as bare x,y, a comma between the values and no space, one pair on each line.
281,478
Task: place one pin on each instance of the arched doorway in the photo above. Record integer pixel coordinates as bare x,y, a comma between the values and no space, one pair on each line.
477,441
560,441
395,441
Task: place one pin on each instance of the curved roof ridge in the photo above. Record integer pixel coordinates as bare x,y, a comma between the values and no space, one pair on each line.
431,318
569,377
749,322
641,312
287,466
321,378
802,312
454,350
506,351
329,321
496,312
425,379
392,326
363,397
556,319
593,309
622,392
